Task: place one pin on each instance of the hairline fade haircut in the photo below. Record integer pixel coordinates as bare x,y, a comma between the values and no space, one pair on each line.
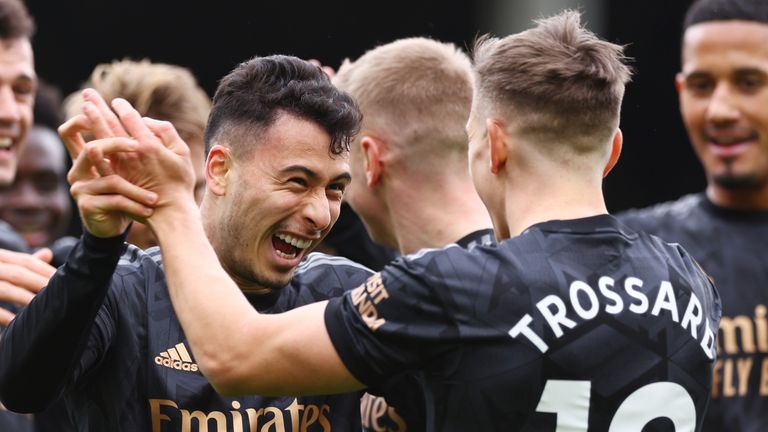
257,92
555,82
701,11
416,91
15,21
157,90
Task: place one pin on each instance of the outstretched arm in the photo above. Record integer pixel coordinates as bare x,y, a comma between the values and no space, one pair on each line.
43,345
46,343
239,350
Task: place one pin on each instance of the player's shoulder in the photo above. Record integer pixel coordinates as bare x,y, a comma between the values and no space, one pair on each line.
330,272
435,264
10,239
481,237
317,262
671,211
142,261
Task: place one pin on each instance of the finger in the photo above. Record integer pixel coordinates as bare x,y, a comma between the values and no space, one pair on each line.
44,254
37,262
327,69
96,156
21,277
71,133
104,204
132,121
115,185
111,120
99,124
14,294
82,169
167,134
6,317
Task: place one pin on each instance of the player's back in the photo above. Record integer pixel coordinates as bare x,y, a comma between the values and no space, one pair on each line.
579,325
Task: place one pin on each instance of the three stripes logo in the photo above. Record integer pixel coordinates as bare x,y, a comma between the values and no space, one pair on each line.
177,358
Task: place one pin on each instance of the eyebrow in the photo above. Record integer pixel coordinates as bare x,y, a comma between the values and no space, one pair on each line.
749,71
312,175
736,72
26,78
696,74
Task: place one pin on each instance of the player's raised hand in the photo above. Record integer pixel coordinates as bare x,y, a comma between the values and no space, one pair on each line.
107,202
96,121
166,166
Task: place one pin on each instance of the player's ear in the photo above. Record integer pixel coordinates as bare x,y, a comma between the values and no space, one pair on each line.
679,82
372,149
497,142
217,167
618,140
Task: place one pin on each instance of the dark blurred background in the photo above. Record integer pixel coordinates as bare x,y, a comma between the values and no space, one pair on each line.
211,37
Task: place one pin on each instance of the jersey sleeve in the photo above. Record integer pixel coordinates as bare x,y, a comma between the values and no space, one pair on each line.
395,321
327,276
46,342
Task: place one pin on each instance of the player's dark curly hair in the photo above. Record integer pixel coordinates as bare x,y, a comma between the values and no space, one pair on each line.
252,97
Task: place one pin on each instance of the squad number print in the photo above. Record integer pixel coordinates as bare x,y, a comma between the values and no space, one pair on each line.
569,400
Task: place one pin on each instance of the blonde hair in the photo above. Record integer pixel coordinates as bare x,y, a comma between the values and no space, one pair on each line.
417,91
556,82
157,90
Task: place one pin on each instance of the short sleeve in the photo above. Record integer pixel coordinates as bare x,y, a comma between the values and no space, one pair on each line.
393,322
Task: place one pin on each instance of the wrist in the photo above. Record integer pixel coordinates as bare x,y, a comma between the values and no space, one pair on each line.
103,244
177,215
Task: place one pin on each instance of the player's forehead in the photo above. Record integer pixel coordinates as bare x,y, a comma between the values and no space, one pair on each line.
296,145
16,60
725,45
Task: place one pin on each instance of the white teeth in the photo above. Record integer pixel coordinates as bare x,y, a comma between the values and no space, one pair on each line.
293,241
285,255
5,142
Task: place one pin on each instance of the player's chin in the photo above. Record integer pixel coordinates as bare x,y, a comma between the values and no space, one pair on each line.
279,279
7,172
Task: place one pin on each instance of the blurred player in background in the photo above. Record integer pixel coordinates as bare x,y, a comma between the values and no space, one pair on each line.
723,89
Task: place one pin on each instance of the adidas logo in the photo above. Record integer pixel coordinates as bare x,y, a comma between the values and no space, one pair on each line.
177,358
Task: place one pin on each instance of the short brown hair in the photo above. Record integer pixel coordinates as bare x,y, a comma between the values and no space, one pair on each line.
416,90
15,21
554,81
250,99
158,90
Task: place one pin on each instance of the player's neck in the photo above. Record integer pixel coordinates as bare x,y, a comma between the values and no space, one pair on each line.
739,199
422,218
534,202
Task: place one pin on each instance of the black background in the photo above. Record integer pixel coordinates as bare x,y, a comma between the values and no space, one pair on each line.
210,37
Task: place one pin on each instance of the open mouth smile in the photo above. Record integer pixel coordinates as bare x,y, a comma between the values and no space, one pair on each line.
289,247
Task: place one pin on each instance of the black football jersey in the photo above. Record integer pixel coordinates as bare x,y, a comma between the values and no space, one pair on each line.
398,405
131,369
731,247
578,325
